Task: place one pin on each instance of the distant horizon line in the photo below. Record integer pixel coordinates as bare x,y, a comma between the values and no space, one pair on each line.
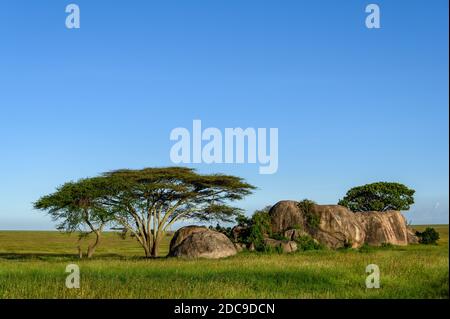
112,230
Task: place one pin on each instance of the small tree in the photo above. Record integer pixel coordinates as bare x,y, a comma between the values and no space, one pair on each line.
381,196
77,206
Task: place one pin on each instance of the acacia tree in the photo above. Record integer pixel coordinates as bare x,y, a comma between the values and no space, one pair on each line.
147,202
381,196
78,206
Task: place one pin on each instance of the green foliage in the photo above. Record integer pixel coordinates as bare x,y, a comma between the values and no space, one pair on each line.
365,248
242,220
387,245
428,237
78,206
260,226
279,236
224,230
381,196
312,219
147,202
296,226
307,243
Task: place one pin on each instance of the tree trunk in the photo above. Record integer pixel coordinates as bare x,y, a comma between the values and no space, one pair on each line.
156,242
91,248
155,249
147,252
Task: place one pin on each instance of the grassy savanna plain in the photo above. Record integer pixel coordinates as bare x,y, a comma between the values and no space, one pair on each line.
32,265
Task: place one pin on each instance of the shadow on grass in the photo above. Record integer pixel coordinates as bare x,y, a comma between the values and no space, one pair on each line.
55,256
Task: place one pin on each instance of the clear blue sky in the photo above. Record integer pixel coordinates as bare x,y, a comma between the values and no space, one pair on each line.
352,105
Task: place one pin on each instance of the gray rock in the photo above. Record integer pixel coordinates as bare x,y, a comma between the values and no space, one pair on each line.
202,243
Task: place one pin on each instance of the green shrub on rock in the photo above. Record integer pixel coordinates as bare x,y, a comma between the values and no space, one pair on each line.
307,243
311,218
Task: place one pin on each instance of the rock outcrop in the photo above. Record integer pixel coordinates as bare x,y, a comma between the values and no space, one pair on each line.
286,215
201,242
339,227
384,227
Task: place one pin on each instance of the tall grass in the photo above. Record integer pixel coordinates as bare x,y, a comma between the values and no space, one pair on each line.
32,265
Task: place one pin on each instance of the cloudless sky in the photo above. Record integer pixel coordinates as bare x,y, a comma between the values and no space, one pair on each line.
352,105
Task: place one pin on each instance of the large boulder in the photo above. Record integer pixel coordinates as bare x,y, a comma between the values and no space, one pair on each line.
201,242
286,215
412,238
339,227
182,233
384,227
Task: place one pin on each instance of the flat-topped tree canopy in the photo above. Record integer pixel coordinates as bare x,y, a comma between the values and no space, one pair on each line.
148,201
79,206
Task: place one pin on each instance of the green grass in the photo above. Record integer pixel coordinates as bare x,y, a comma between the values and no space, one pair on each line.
32,265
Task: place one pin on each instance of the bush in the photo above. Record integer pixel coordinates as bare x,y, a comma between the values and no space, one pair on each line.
311,218
307,243
260,226
428,237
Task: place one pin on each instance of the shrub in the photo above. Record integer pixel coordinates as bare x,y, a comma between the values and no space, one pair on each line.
428,237
260,226
307,243
386,245
311,218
